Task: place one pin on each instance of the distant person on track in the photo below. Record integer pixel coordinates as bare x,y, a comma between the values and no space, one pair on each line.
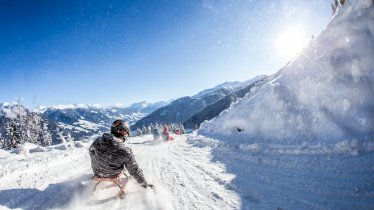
156,133
110,155
166,135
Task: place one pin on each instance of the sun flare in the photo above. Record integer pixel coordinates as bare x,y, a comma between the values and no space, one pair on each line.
290,42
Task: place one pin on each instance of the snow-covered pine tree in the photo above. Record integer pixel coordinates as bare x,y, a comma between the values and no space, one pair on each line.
21,123
32,128
45,137
144,130
59,136
23,126
14,134
2,140
69,138
139,132
6,135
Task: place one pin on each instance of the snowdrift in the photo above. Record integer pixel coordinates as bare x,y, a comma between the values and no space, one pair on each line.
325,93
304,139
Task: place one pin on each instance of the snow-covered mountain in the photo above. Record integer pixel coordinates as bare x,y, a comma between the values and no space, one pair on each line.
80,121
183,108
217,107
63,123
305,139
232,86
325,93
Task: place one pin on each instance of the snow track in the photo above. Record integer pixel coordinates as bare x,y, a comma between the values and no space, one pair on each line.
192,173
184,176
186,172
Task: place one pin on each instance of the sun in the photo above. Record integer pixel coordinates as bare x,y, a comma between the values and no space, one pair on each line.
290,42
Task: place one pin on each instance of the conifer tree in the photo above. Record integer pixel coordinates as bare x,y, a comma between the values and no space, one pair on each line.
69,138
6,135
45,137
32,125
2,140
14,134
59,136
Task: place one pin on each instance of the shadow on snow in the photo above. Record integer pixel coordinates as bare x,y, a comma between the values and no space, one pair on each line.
295,181
57,195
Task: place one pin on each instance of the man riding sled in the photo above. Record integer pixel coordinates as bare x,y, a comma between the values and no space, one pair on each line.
110,155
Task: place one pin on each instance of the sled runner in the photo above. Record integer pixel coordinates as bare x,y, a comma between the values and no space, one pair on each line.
114,180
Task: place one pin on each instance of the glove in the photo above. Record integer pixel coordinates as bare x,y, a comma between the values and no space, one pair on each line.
145,185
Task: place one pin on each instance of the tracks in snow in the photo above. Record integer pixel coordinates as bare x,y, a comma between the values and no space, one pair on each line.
185,178
188,174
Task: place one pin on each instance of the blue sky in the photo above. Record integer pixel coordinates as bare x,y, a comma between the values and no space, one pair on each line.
108,52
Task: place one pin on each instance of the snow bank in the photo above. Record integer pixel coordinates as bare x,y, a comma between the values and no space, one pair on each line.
308,175
25,149
325,94
39,149
352,147
4,154
79,144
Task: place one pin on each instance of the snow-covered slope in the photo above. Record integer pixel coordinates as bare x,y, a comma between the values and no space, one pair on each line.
181,109
55,178
217,107
326,93
305,140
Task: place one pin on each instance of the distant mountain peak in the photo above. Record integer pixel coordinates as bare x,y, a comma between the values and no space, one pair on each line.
138,105
42,109
232,86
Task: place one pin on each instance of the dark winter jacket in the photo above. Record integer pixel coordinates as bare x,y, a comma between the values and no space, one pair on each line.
156,132
109,156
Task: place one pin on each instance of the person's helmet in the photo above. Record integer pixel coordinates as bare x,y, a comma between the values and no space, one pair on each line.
117,128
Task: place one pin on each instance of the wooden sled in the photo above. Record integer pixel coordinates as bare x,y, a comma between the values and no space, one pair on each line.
114,180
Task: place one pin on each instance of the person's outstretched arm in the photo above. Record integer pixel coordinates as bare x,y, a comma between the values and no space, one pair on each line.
132,167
